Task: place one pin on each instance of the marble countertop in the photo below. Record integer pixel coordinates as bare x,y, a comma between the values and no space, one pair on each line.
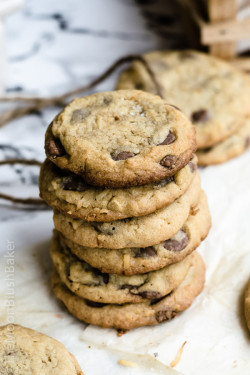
56,46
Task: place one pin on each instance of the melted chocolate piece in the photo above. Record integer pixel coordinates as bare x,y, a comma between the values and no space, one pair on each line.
104,228
55,148
202,115
164,315
123,155
74,183
94,304
168,161
79,115
145,252
174,245
150,295
169,139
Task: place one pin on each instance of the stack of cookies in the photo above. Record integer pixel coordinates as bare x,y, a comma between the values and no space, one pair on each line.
129,212
212,93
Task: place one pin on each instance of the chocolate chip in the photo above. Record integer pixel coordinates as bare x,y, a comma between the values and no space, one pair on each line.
74,183
164,182
104,228
207,149
174,245
186,55
105,277
94,304
55,148
107,100
123,155
168,161
150,294
202,115
169,139
79,115
247,142
192,166
145,252
160,316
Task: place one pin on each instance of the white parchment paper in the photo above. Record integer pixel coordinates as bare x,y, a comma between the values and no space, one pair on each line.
217,340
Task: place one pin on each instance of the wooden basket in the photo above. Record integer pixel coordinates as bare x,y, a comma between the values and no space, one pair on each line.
215,24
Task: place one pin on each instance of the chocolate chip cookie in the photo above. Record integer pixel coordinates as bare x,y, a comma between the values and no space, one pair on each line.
25,351
231,147
132,232
69,194
132,315
131,261
120,139
90,283
211,92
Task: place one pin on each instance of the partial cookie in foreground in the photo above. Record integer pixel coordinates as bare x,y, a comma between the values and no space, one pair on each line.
134,315
120,139
131,261
231,147
90,283
132,232
211,92
247,305
24,351
69,194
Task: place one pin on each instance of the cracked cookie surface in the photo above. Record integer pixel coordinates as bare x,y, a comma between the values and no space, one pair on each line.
25,351
120,138
211,92
132,315
132,232
69,194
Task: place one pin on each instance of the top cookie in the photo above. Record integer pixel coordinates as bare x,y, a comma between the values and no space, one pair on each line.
24,351
211,92
121,138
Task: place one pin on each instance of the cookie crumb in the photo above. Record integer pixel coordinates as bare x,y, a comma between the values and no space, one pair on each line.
126,363
121,332
178,356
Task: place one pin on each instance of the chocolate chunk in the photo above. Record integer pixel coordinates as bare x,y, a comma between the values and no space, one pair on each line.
150,294
168,161
174,245
79,115
164,182
160,316
123,155
105,277
74,183
94,304
169,139
192,166
145,252
202,115
104,228
247,142
55,148
107,100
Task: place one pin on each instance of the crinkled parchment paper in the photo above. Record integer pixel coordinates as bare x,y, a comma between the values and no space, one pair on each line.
217,340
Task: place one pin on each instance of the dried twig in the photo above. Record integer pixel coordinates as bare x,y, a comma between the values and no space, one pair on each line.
61,100
25,201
